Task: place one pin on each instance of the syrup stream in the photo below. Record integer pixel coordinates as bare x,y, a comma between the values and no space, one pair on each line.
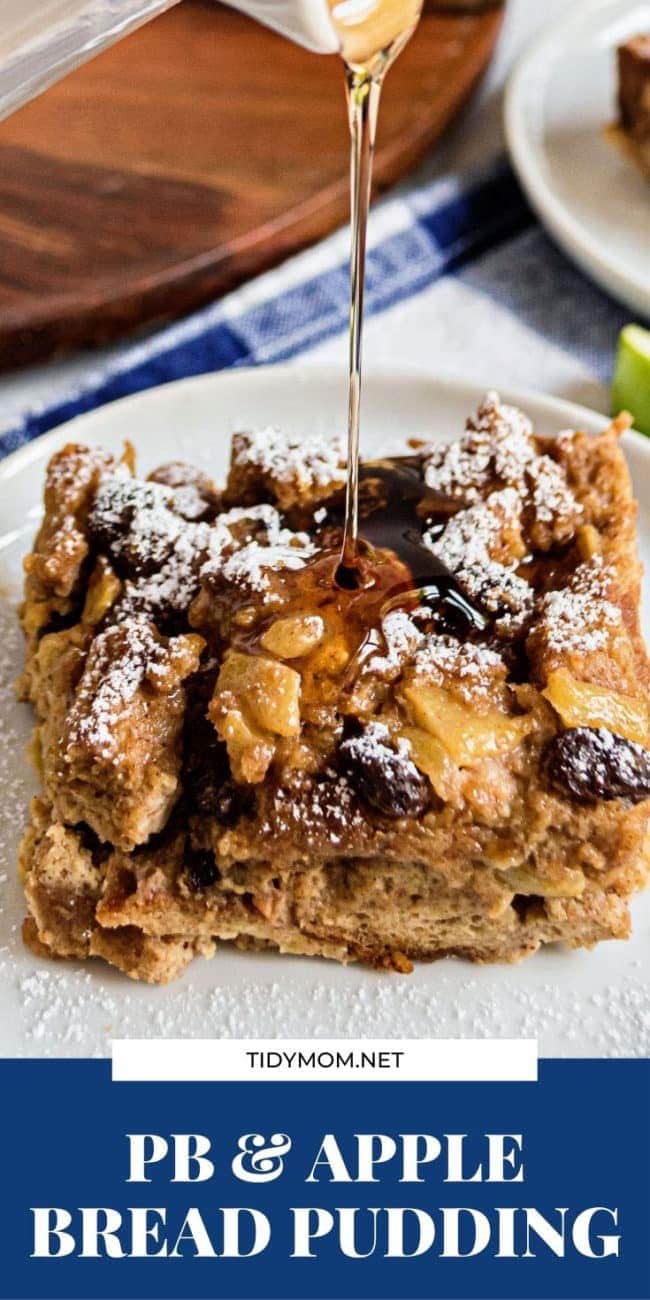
364,81
389,564
364,93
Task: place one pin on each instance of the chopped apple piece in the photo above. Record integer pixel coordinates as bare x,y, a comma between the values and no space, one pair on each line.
249,751
431,757
468,737
294,636
267,692
104,588
582,704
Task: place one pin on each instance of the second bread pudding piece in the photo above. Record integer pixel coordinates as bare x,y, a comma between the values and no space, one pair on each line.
634,98
365,774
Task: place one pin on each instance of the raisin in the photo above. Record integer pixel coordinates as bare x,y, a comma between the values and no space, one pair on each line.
201,870
211,796
204,790
592,764
384,778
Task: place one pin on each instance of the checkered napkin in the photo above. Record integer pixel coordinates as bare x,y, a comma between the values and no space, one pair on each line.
460,278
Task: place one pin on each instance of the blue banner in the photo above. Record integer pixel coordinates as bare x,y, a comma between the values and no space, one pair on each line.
289,1190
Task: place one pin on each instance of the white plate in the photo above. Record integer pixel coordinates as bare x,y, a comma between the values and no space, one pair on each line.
561,96
578,1003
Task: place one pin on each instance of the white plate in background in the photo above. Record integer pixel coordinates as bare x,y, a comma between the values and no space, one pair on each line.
560,98
577,1003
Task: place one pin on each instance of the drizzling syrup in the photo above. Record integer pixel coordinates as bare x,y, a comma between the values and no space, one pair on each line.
372,36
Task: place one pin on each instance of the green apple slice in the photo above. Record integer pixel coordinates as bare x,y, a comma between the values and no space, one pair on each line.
631,387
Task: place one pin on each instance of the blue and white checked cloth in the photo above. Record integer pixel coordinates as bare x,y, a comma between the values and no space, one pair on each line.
460,278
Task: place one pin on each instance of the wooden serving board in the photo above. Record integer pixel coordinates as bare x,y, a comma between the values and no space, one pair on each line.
196,153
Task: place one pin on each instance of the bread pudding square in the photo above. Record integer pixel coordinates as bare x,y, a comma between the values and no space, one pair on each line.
446,757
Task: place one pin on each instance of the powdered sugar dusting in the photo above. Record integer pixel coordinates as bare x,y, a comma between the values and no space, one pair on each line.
497,445
170,554
401,638
549,494
498,450
321,807
474,669
579,618
375,743
139,518
64,472
120,660
308,461
144,530
468,546
263,546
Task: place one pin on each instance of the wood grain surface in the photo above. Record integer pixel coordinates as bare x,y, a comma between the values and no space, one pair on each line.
198,152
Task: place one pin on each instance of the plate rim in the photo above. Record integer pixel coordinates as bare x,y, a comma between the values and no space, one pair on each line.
568,413
555,215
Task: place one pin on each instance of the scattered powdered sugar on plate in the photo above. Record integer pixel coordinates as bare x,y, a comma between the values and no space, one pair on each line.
72,1012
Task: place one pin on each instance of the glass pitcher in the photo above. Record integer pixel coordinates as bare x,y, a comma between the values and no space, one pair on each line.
41,40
